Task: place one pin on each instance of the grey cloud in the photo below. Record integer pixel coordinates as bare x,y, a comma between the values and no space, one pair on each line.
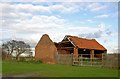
105,41
97,34
108,32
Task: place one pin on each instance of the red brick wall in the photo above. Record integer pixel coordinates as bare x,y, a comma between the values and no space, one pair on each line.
46,50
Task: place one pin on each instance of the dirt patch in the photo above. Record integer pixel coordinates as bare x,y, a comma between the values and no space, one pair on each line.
33,74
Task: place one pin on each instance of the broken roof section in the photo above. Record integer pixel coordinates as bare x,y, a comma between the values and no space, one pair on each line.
84,43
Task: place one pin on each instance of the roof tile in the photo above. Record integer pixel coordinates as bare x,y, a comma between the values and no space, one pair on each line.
86,43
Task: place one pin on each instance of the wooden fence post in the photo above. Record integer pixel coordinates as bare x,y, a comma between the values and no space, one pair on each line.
72,58
81,59
76,54
92,56
102,60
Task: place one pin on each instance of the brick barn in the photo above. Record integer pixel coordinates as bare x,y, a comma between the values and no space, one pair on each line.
76,45
45,50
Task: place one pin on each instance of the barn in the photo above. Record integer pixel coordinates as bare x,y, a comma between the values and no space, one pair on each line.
76,45
45,50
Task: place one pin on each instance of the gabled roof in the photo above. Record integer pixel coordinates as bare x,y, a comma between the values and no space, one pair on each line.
85,43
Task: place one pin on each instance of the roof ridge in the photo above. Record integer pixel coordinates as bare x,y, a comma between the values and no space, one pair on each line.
86,43
80,37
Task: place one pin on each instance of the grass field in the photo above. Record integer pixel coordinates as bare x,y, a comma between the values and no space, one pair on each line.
10,68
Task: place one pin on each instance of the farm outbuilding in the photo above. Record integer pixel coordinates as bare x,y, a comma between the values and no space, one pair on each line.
45,50
88,47
48,51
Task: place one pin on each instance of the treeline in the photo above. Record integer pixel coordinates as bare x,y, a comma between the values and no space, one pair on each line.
14,48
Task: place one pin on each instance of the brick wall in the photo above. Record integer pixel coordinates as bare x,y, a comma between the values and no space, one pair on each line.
46,50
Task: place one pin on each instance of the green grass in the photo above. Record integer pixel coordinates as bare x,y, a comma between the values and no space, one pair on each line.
55,70
0,66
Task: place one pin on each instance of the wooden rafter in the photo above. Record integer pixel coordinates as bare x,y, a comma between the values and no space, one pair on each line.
65,42
71,42
66,48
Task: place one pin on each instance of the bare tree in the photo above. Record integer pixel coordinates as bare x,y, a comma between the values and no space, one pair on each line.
19,47
9,47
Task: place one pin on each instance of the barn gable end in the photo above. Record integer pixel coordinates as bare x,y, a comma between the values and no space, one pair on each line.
45,50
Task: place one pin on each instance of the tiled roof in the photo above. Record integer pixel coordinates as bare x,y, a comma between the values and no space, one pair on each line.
86,43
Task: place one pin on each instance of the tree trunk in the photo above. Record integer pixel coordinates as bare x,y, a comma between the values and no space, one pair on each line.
17,57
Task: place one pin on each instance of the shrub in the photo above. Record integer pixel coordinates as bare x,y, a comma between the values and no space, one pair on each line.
36,62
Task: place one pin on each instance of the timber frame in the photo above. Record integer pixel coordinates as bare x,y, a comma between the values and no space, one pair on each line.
69,46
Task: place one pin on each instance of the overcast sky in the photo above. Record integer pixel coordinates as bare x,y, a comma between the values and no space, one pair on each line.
30,20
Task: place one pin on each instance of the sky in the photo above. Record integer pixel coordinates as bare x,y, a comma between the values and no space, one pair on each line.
30,20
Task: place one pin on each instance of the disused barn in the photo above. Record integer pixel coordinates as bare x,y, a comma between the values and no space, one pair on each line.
45,50
88,47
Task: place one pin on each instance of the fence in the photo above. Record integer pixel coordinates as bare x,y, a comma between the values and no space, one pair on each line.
85,60
81,60
110,61
64,59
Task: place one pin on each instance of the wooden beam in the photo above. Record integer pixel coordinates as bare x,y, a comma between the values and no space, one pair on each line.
92,56
104,54
76,54
65,42
71,42
67,47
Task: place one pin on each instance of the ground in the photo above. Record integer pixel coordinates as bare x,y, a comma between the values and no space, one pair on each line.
23,69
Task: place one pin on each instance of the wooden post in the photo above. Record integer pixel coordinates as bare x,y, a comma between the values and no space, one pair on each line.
92,56
72,58
104,58
81,60
76,54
